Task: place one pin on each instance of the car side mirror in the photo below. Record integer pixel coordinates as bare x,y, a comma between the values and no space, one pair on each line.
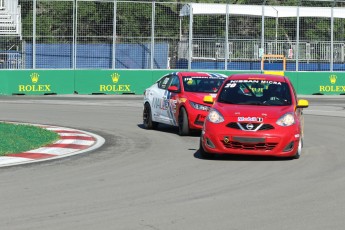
208,99
173,89
302,103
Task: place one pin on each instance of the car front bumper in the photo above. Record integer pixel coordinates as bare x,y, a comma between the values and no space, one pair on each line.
282,141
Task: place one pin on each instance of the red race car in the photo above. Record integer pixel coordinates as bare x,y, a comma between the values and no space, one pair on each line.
178,99
254,114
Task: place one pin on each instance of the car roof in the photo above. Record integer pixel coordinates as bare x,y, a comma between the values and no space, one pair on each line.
202,74
257,76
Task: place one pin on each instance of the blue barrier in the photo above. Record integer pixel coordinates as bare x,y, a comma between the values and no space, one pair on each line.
256,65
97,56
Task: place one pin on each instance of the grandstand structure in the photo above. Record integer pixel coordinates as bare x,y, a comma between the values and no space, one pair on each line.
11,33
10,18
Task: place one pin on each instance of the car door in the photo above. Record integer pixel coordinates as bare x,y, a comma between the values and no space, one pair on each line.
170,101
159,104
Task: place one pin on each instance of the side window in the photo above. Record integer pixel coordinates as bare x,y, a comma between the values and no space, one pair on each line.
175,82
163,83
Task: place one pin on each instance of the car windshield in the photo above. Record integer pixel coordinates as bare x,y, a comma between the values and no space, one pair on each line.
255,92
202,84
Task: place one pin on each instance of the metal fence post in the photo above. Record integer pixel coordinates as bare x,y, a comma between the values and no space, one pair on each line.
297,36
262,49
114,36
226,36
153,33
263,28
34,10
190,42
332,36
74,52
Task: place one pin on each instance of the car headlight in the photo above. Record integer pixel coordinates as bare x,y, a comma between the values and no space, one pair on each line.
199,106
214,116
286,120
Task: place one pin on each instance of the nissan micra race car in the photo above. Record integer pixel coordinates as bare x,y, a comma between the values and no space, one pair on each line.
254,114
178,99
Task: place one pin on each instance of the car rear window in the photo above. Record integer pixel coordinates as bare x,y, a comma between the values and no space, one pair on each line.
255,92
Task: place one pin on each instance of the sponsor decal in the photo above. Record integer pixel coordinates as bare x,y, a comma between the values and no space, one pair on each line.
34,87
271,82
114,87
251,119
233,83
164,104
332,87
200,77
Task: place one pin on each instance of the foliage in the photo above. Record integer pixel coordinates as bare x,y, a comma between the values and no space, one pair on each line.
134,21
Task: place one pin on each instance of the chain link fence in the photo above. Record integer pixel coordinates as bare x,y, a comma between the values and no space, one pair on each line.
114,34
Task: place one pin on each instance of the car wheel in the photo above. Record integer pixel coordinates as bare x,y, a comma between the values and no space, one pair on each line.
147,118
203,153
183,125
299,149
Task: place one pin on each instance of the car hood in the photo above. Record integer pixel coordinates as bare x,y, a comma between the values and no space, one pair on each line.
199,97
245,111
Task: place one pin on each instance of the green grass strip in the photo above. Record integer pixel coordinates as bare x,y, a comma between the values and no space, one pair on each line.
17,138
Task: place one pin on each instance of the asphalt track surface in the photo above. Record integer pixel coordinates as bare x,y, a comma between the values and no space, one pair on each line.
155,180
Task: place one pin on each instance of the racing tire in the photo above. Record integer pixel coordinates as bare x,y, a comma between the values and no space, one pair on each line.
203,153
183,124
299,150
147,118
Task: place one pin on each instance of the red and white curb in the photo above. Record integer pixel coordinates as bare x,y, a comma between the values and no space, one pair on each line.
71,142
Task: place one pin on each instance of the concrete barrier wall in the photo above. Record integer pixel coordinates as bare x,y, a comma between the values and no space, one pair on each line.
45,82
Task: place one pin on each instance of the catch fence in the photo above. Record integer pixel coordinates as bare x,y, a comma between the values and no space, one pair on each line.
114,34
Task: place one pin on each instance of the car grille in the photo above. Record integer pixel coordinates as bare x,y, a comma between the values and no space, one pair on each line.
256,126
250,146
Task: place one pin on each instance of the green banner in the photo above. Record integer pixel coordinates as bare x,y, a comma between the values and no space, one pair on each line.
36,82
114,81
45,82
318,83
119,81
